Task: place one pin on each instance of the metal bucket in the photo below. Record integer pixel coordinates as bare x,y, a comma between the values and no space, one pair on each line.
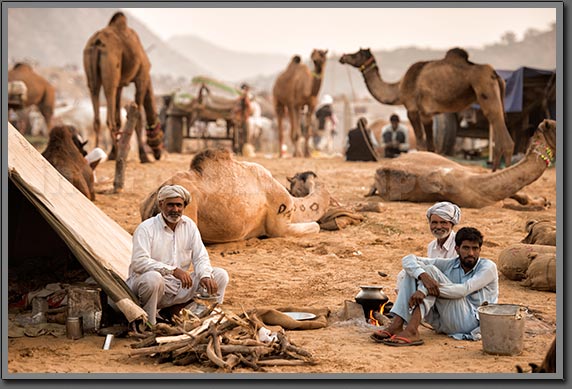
74,327
502,328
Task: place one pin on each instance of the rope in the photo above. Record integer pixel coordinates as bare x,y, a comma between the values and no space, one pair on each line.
367,141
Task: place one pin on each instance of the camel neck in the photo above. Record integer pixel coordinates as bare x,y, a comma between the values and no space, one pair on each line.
316,83
383,92
504,183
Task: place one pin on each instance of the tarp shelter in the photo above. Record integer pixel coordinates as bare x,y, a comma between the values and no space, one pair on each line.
101,246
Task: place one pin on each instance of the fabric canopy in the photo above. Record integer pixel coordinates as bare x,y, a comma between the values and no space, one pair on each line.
101,245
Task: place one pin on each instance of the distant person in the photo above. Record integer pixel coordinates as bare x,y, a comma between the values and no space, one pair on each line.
394,138
327,121
361,143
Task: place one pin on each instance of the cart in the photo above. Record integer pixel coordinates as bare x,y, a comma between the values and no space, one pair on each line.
201,111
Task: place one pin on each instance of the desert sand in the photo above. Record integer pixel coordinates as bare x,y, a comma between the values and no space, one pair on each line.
322,271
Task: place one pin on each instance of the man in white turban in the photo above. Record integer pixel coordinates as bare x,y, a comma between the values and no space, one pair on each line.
169,263
442,217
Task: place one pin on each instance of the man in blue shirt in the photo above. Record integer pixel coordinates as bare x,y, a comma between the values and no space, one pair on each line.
444,292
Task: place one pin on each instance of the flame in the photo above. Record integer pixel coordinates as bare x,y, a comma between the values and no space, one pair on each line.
372,320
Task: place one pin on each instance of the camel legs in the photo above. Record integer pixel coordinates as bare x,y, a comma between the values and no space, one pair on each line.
140,90
154,131
46,107
488,97
96,119
420,131
279,109
309,131
295,131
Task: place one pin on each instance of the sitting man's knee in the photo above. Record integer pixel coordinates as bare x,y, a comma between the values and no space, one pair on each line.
221,276
152,279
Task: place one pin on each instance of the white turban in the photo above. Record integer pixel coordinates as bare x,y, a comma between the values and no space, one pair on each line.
172,191
445,210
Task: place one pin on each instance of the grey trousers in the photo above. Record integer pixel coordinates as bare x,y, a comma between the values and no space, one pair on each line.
156,291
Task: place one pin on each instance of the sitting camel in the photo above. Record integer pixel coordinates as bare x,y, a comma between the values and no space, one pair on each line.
237,200
113,58
63,152
39,91
447,85
429,177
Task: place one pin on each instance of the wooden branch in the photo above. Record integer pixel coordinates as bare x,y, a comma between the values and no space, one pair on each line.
133,116
285,362
211,354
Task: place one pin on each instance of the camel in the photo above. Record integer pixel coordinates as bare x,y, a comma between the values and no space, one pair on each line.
65,152
548,364
450,84
237,200
428,177
297,88
113,57
39,91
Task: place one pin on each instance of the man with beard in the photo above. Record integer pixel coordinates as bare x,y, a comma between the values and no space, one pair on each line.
442,217
169,262
445,293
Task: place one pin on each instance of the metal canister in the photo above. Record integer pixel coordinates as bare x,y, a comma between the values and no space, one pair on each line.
74,327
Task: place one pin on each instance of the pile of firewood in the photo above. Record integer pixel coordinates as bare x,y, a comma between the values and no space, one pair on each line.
221,339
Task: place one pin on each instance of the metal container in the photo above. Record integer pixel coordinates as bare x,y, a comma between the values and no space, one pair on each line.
502,328
74,327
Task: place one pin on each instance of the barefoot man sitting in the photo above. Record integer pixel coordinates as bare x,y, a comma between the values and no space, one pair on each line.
444,292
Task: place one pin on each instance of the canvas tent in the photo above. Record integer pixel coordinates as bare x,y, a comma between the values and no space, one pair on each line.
101,246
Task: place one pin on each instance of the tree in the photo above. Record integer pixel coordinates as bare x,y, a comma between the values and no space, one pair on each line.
508,38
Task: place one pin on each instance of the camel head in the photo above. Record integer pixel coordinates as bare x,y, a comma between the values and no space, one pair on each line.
318,57
357,59
543,140
302,184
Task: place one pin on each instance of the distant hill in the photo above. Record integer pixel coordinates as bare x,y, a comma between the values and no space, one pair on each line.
49,37
226,64
55,37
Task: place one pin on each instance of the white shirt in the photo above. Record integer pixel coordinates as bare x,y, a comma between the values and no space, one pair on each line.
447,251
400,128
157,247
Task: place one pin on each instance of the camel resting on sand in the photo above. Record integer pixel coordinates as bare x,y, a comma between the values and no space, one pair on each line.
236,200
428,177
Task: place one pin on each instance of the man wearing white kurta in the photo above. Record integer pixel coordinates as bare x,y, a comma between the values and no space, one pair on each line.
169,261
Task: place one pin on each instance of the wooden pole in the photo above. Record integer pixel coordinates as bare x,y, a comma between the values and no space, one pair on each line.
133,117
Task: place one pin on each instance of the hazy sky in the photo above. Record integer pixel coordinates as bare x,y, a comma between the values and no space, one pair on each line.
299,30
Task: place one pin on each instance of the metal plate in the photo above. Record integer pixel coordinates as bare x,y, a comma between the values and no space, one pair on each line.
300,315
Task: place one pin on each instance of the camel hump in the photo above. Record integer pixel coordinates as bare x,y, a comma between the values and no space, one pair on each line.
22,65
118,20
296,59
202,158
457,53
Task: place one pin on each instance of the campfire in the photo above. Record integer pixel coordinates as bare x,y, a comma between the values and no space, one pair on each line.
374,303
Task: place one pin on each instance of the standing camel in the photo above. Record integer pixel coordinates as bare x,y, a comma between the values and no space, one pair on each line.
450,84
113,58
39,91
295,88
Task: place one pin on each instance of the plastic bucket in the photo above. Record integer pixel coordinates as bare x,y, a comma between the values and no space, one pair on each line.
502,328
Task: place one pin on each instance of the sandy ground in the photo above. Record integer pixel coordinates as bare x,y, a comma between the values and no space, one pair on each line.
322,270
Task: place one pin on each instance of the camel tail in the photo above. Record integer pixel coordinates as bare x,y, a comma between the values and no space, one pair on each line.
92,69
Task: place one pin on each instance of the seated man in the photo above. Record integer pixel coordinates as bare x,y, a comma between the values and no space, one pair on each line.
170,262
360,143
444,292
394,138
